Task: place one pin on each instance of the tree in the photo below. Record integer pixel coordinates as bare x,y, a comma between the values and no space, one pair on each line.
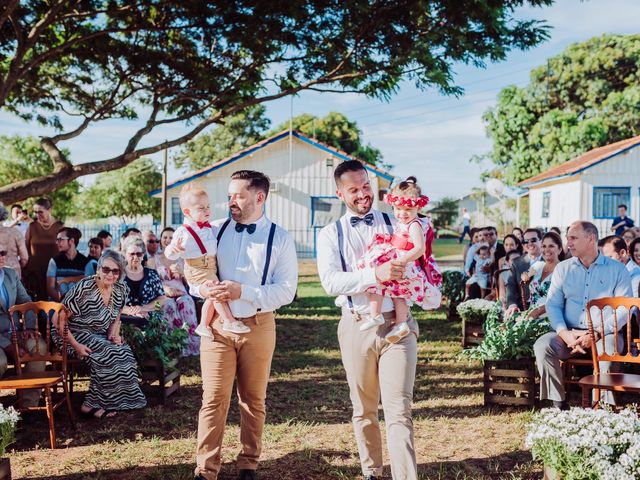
198,63
336,130
445,211
124,192
239,131
586,97
23,157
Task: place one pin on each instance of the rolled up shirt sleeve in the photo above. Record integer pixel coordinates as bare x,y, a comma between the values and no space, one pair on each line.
333,279
281,288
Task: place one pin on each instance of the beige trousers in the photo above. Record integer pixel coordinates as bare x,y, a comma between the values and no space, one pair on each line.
199,270
377,369
247,359
31,397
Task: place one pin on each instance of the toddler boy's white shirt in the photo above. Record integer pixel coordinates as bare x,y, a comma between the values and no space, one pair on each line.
191,249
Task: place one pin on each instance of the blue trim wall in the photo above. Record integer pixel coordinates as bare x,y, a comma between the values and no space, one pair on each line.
604,187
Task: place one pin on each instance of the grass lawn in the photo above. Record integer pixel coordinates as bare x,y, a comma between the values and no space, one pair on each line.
444,247
308,433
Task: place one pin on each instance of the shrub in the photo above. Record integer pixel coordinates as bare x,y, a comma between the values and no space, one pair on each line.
9,418
453,285
475,310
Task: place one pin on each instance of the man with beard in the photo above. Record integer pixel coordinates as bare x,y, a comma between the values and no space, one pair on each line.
373,366
258,272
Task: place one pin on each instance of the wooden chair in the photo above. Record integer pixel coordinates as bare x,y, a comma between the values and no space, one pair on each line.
496,281
524,297
64,284
46,380
615,382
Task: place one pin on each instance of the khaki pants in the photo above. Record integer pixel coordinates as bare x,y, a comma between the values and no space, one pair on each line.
30,398
226,357
377,368
199,270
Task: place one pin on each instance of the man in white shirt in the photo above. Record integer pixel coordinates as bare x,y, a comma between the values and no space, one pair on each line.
616,248
374,367
258,269
532,241
466,225
18,219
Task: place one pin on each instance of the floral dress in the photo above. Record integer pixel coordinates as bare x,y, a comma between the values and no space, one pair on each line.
538,288
179,312
415,286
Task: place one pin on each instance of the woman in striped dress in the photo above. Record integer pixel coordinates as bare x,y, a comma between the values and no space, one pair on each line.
95,304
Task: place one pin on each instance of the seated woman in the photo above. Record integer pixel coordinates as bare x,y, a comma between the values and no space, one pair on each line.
511,244
539,275
146,290
171,274
94,305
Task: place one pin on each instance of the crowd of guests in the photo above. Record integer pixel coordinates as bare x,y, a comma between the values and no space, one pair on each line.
549,278
37,258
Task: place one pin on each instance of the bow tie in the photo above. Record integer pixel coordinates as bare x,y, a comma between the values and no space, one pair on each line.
250,228
367,219
203,224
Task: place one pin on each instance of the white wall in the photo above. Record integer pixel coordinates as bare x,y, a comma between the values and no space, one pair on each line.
564,205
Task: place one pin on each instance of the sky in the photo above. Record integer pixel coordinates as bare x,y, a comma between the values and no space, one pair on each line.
420,133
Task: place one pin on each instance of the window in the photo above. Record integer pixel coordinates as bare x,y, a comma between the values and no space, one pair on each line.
546,201
607,199
176,212
325,210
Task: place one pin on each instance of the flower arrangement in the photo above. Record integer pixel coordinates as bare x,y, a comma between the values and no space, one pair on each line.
9,418
453,285
585,444
157,341
397,201
510,339
475,310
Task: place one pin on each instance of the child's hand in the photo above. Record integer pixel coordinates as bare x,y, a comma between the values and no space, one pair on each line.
179,245
525,277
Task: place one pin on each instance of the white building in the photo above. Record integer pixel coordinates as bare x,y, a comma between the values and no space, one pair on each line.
302,198
589,187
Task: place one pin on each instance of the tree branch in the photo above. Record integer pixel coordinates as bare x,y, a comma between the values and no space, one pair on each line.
7,11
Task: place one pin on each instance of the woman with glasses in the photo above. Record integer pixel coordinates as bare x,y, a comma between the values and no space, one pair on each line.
41,246
146,289
94,305
16,256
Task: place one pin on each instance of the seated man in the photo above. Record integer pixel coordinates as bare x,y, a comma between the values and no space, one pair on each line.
68,263
12,293
616,248
586,276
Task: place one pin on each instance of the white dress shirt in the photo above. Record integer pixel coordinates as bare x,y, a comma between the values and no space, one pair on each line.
191,248
634,273
241,258
354,282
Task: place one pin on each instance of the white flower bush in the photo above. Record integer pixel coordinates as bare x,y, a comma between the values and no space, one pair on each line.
585,444
9,418
475,310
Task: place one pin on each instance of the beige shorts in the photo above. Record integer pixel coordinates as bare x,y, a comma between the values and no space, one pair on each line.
199,270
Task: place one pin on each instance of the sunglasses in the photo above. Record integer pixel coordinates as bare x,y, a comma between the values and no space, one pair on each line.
135,254
107,271
533,240
3,253
153,241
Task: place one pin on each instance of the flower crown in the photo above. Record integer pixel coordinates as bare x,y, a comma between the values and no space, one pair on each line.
411,202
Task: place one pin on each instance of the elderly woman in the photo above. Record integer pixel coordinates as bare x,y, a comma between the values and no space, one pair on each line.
146,289
539,275
41,245
13,243
94,305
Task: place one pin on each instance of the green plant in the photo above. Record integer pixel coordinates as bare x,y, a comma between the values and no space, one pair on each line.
510,339
9,418
157,341
453,285
475,310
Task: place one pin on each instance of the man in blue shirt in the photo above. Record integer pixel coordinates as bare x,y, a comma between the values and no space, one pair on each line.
616,248
586,276
621,222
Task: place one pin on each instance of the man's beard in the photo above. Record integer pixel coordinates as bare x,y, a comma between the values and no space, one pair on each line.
361,209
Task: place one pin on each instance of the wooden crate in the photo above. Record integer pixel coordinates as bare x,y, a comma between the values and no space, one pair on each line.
510,382
472,333
5,469
163,381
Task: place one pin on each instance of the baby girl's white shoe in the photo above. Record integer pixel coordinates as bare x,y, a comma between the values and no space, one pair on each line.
372,322
397,333
235,326
203,331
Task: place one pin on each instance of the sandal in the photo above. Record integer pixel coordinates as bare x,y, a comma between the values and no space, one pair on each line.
91,414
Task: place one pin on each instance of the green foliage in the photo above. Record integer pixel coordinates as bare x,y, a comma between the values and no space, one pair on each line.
586,97
9,418
23,157
453,285
157,341
239,131
124,192
509,339
475,310
336,130
444,211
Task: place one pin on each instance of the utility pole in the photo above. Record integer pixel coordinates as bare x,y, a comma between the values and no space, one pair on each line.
165,160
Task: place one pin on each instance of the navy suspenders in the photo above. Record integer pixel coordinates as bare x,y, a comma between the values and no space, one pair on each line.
387,221
272,232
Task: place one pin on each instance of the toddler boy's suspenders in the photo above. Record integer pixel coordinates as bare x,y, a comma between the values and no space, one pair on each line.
196,237
387,221
272,232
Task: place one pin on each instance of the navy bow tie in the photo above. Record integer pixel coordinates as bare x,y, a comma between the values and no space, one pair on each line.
250,228
367,219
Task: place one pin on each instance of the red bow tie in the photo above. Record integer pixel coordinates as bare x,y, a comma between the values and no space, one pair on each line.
203,224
